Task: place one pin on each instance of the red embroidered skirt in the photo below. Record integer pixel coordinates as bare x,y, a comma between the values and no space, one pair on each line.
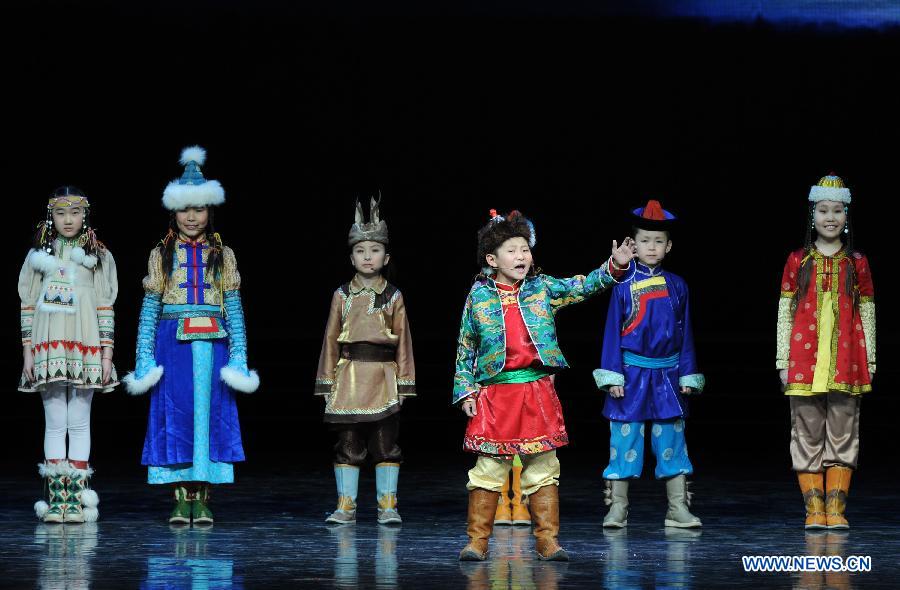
517,419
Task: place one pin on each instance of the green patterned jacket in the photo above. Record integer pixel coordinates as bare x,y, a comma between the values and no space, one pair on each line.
481,352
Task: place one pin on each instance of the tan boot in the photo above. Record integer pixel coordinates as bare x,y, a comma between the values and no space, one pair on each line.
811,484
482,508
520,513
503,515
678,515
544,505
837,486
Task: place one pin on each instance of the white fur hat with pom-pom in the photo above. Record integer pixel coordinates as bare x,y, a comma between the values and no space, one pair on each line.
192,189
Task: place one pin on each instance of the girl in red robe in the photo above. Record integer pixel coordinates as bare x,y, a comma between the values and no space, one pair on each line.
826,352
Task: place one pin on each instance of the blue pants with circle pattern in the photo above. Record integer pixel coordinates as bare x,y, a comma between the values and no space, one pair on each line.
626,449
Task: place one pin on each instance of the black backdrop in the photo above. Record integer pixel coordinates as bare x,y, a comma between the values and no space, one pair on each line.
572,117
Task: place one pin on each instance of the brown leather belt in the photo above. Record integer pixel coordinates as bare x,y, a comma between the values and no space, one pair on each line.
368,353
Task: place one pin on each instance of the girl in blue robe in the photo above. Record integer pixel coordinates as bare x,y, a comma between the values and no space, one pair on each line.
192,349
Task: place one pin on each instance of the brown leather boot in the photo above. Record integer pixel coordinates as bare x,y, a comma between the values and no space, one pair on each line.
811,484
504,508
520,513
482,507
544,505
837,485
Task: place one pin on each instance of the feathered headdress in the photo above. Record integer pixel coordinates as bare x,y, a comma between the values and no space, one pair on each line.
375,230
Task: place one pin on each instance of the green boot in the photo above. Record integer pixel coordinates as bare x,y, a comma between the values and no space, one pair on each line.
181,514
200,512
81,501
54,509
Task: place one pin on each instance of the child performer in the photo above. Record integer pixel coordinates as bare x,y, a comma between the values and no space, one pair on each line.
192,349
506,355
647,365
365,371
67,286
826,352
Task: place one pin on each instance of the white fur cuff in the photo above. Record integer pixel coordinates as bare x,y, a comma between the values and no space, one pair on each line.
137,386
829,193
238,381
53,469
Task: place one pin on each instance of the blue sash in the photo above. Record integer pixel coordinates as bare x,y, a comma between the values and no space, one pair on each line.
645,362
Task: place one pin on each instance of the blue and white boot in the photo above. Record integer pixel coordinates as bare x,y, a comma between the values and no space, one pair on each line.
347,479
386,476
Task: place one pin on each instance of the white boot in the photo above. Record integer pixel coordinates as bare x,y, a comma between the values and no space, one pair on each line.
616,497
679,499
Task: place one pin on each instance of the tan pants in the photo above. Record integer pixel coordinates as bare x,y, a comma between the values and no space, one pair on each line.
824,431
539,470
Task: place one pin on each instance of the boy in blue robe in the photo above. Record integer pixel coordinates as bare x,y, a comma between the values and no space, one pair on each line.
648,365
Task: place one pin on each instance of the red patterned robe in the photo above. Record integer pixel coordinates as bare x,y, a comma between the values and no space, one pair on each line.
827,343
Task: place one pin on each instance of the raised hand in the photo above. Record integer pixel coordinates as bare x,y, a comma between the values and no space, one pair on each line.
623,254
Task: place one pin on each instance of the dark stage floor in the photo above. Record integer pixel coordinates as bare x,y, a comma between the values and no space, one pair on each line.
269,533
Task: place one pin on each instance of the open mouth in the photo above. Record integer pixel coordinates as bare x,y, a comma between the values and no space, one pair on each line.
521,267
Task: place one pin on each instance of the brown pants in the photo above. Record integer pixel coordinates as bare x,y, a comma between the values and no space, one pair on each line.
377,439
824,431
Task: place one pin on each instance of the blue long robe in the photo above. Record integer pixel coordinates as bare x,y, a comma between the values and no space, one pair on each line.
649,316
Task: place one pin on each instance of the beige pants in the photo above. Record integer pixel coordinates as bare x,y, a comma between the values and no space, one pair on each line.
539,470
824,431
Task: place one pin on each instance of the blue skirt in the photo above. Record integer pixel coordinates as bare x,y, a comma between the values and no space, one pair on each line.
193,432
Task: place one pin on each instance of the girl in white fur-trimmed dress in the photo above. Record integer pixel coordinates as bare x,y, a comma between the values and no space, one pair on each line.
67,286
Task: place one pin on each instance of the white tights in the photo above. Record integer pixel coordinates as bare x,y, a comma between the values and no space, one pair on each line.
67,410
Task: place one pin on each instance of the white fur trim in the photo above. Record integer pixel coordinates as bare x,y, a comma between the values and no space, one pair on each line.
78,256
90,514
238,381
41,508
48,264
195,153
827,193
138,386
179,196
89,472
51,469
90,499
43,262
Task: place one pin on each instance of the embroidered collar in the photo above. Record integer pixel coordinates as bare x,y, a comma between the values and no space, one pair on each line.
357,286
190,242
491,283
842,253
643,269
512,288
